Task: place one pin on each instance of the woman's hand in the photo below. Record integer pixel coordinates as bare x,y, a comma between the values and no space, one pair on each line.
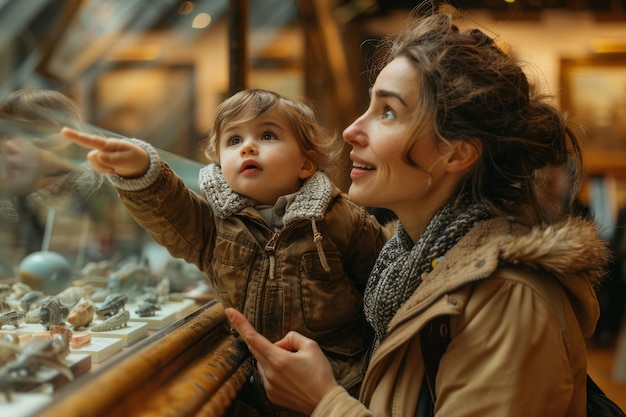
111,156
295,371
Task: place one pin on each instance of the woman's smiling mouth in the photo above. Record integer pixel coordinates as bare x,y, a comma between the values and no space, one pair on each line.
359,165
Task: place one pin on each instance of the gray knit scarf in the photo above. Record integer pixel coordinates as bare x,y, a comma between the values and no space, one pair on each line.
400,265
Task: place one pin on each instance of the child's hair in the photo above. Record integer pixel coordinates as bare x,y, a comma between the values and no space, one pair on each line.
319,147
40,109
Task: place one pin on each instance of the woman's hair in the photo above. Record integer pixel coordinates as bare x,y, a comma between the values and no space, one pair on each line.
469,89
319,147
40,109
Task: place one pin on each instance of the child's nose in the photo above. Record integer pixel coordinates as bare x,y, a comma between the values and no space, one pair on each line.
248,148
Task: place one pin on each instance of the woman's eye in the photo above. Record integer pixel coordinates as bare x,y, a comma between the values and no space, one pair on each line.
388,113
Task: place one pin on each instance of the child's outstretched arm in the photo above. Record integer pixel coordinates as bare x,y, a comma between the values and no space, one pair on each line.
110,155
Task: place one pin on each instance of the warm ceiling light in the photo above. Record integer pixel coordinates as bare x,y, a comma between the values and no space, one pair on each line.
201,21
509,1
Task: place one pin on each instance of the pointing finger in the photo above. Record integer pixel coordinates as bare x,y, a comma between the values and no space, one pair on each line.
85,139
260,347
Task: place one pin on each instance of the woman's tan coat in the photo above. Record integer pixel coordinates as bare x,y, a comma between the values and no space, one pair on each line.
521,303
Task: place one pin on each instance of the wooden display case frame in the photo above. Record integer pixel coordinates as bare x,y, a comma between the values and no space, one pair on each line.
194,367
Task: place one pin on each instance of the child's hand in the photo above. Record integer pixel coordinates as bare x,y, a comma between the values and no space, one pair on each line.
111,156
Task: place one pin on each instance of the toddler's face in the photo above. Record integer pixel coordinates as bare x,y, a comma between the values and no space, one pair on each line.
261,159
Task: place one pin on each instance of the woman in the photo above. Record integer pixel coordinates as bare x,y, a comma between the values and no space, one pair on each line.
452,142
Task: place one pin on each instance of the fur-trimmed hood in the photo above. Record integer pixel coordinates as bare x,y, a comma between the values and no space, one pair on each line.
572,252
568,248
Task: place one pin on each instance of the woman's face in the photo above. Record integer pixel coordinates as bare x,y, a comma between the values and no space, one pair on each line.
380,175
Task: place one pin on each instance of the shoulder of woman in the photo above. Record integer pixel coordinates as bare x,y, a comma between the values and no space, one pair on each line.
571,246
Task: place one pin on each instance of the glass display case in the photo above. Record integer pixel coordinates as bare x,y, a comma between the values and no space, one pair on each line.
153,69
193,367
90,306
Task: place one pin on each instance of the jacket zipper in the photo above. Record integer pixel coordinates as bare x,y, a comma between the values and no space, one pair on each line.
270,249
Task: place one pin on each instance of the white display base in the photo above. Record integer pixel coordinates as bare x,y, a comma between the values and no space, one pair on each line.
101,347
24,331
168,313
133,331
24,404
28,403
79,364
22,338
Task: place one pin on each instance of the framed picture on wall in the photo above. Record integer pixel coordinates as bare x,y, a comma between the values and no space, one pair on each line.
593,92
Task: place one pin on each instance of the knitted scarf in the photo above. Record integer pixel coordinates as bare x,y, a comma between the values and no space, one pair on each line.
400,265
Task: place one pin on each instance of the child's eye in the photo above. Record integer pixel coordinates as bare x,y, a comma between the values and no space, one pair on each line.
235,140
388,113
269,135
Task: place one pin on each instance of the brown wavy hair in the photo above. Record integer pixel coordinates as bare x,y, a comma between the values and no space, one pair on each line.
471,90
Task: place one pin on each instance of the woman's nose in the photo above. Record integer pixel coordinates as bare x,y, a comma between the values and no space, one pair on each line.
354,133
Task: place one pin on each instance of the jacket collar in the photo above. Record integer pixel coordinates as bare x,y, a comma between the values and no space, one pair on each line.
310,202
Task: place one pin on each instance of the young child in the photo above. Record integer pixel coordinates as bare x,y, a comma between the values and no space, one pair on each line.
276,239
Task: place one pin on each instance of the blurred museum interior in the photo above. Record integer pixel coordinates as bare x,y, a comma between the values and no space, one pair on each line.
157,69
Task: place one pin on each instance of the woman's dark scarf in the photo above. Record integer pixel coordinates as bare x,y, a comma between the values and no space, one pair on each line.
400,265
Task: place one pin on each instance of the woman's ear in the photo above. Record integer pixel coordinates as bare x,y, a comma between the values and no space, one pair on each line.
308,169
464,154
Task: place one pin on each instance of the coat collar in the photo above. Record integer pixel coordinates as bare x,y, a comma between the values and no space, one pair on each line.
310,202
